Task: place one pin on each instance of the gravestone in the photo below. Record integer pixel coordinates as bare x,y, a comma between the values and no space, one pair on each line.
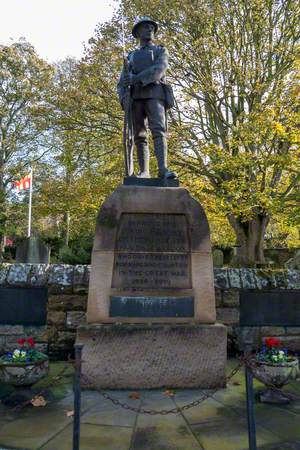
34,251
218,257
151,306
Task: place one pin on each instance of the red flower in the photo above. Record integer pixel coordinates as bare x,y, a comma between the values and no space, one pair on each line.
21,341
30,341
272,342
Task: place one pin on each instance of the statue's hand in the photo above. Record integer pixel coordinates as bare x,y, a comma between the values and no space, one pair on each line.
129,79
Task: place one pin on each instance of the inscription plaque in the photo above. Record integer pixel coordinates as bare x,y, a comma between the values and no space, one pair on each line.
151,307
152,252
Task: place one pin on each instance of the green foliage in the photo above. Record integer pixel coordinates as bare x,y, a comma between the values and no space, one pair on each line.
235,68
272,353
24,81
23,356
78,253
233,136
25,353
87,164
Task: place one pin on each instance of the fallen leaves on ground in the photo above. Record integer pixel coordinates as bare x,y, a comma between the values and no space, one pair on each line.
134,396
38,401
169,393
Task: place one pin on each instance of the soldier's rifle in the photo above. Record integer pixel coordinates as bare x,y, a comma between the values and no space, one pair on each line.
127,127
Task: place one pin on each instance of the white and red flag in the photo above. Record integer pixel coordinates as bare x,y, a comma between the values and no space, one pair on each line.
24,183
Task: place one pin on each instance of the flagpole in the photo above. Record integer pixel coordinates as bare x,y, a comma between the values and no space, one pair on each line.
30,204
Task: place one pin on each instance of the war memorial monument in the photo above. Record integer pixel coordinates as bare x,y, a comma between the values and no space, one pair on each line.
151,307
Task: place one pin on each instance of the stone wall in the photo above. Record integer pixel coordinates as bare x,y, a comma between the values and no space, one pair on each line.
67,301
228,285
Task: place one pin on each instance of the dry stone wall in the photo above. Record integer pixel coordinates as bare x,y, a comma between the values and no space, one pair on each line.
67,301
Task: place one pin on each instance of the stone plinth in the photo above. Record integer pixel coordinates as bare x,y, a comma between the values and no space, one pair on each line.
151,259
151,304
156,356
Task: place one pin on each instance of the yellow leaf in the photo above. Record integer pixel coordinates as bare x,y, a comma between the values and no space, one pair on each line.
38,401
169,393
134,396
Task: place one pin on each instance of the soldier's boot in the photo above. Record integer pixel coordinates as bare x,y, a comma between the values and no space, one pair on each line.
143,160
161,150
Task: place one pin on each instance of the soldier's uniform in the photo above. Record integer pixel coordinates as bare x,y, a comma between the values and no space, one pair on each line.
149,65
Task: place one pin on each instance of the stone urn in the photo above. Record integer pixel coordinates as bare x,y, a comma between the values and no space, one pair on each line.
274,376
23,374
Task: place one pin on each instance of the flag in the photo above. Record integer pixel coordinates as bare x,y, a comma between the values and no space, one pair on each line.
9,242
24,183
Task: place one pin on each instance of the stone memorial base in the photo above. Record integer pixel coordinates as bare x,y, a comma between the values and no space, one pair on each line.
153,356
151,259
151,305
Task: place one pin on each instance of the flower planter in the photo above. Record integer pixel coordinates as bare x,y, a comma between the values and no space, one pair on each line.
22,373
274,376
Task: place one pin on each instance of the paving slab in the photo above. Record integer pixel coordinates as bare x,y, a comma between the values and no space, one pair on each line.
281,421
209,409
168,434
295,386
88,399
93,437
10,448
219,423
104,412
156,432
230,435
32,427
282,446
234,395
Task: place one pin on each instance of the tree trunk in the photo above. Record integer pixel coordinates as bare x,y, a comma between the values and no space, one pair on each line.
67,228
250,239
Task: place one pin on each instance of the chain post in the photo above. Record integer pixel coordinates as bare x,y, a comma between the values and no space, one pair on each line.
77,396
250,409
250,398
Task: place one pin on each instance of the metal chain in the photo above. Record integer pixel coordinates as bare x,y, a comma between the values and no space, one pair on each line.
165,412
250,361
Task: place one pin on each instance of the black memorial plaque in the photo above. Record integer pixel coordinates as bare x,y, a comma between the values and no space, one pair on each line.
23,306
270,308
151,306
152,252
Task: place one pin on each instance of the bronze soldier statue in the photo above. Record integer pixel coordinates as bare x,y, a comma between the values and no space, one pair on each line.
144,77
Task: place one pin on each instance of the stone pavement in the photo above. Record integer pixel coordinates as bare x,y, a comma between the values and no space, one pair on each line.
217,424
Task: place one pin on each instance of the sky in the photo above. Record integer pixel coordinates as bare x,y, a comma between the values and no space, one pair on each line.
56,28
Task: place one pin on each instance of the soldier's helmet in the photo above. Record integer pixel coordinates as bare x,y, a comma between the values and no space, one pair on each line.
140,20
